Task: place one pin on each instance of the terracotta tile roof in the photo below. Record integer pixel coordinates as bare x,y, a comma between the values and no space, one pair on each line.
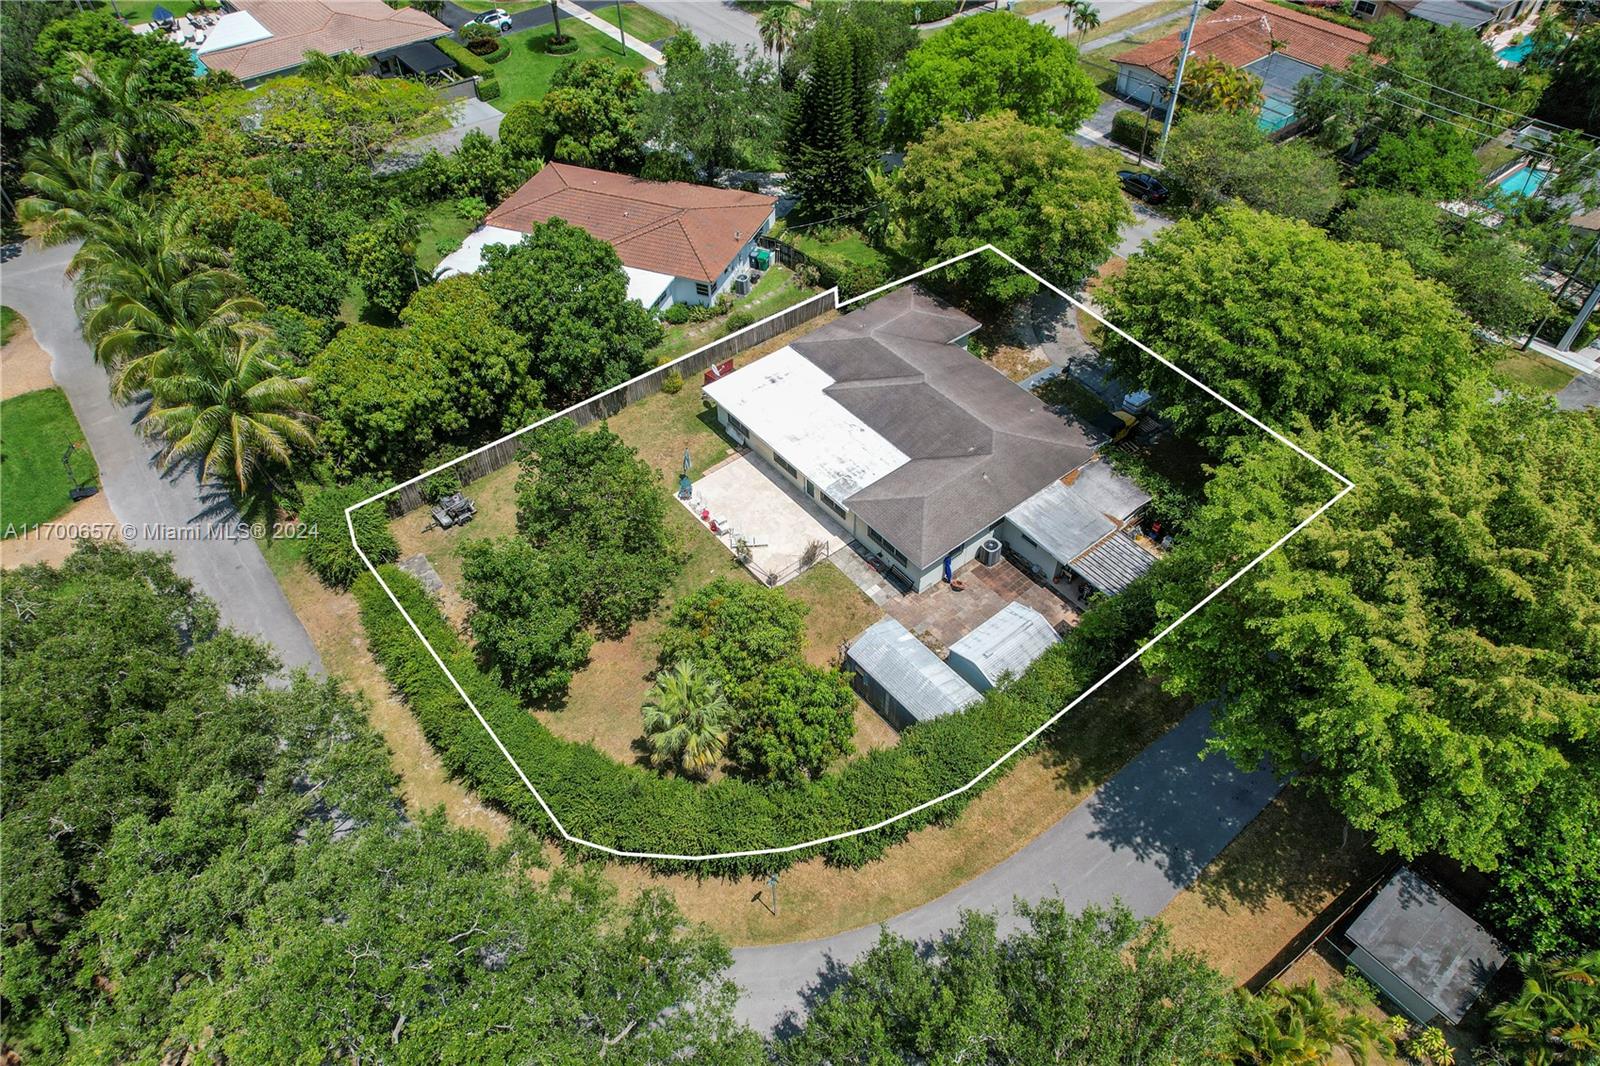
671,227
1241,31
332,26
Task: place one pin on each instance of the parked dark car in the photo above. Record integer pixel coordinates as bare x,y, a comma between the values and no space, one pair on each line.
1145,186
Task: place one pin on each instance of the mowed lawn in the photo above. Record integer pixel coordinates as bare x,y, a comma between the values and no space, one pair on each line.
525,74
36,429
640,22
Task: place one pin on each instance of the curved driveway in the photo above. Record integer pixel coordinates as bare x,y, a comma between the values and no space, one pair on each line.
1142,837
162,513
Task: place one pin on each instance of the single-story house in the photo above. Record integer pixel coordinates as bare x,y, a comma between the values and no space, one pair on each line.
1003,646
679,243
1280,46
1424,952
259,39
901,678
1476,15
924,452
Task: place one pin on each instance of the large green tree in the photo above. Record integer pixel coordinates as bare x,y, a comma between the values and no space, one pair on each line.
1086,989
1486,270
986,63
713,108
798,722
1026,189
599,512
283,271
200,865
565,292
1287,322
452,372
1573,96
1218,158
591,117
524,618
831,129
1433,161
1425,655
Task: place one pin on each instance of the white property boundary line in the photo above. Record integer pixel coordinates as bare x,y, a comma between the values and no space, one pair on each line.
1345,483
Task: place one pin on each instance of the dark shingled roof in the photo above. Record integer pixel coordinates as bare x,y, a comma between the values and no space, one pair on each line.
978,444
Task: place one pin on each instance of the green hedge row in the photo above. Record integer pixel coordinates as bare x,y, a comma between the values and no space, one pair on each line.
499,53
488,89
1128,129
635,809
466,63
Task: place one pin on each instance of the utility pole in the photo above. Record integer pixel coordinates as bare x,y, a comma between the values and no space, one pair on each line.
1177,78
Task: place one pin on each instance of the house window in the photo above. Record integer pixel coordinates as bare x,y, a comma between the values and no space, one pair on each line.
877,538
1365,7
702,289
738,426
786,464
836,508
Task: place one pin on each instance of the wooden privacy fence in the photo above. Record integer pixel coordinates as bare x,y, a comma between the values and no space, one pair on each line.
605,404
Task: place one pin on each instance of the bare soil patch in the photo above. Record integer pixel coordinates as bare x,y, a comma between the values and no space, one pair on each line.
52,547
24,366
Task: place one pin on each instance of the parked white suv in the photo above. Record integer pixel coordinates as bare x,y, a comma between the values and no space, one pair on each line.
498,19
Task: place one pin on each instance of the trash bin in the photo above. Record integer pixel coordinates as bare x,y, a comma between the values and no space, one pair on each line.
761,257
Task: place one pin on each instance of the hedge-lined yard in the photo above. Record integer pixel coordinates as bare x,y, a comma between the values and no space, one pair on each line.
634,809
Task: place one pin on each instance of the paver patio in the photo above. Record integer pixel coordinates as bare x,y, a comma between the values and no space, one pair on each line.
942,615
750,500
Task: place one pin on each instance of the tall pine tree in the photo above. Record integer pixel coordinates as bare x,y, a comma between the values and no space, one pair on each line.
830,134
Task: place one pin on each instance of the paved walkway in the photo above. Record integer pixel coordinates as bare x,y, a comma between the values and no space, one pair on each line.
1142,837
1582,393
597,23
170,514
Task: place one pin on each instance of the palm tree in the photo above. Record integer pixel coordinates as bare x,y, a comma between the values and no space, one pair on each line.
779,28
231,409
112,105
72,191
339,69
1084,17
1296,1026
686,719
1553,1018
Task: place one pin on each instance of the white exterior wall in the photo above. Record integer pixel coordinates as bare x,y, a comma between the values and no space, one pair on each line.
1140,83
1024,546
683,291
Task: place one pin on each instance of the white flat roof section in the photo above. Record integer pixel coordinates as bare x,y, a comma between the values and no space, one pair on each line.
232,30
469,257
781,398
646,286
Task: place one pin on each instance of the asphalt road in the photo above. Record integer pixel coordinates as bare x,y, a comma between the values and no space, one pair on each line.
1582,394
455,16
712,20
171,514
1141,837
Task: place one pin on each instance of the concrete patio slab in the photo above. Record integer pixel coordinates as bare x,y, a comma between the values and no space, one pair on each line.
751,501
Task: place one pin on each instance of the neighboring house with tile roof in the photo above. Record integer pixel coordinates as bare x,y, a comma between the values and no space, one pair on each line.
924,452
259,39
680,243
1279,46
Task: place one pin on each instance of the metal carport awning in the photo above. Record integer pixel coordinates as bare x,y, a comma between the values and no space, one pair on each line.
1114,563
421,57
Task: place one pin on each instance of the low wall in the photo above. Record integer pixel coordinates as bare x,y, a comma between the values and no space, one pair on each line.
603,405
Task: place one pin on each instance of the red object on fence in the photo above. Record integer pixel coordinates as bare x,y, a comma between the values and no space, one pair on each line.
717,370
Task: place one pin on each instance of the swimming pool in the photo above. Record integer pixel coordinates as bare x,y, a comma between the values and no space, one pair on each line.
1523,182
1515,53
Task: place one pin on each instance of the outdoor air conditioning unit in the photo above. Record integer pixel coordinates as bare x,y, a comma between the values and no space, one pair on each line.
989,552
741,284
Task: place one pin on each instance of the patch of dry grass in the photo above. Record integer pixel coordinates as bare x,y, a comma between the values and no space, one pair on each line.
1269,883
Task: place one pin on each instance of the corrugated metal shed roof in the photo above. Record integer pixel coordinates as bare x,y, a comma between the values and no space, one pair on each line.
905,668
1114,563
1005,644
1429,943
1068,517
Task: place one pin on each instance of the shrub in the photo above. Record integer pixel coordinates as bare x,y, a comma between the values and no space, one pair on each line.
735,629
473,32
446,481
488,89
466,63
630,807
499,53
329,552
470,208
738,320
553,45
677,314
483,46
1128,128
526,625
672,383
